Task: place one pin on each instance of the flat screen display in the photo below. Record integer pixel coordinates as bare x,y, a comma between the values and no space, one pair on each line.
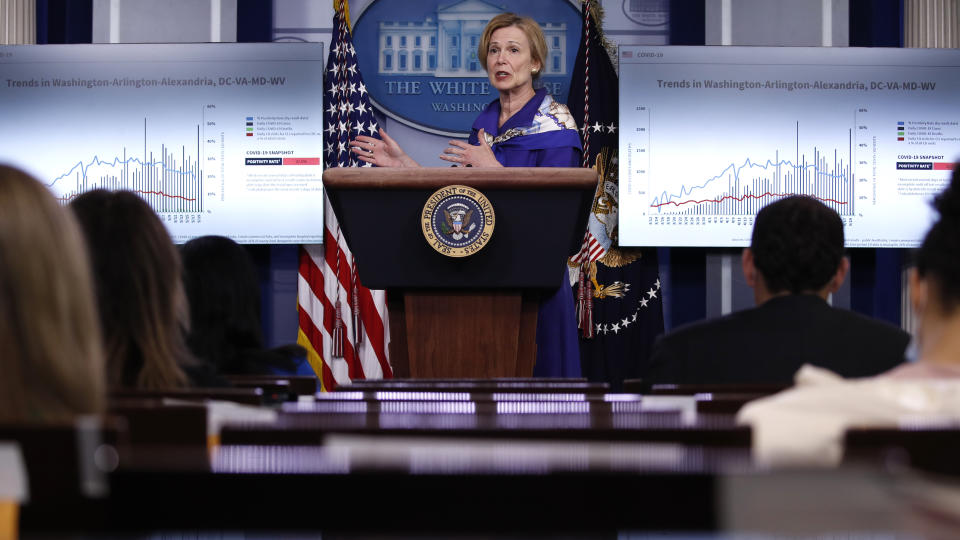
218,138
709,135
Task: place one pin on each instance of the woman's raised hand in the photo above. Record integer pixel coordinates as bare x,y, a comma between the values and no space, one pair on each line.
468,155
383,152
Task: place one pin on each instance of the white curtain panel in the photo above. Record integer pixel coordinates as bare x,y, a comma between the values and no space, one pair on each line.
18,22
932,23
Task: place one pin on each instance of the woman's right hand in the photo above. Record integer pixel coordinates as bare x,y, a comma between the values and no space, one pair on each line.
382,152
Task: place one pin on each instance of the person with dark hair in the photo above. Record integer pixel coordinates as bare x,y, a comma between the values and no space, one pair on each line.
796,247
143,309
805,425
51,357
794,262
224,295
935,292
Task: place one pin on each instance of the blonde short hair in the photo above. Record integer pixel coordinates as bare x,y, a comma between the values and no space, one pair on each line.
530,28
51,355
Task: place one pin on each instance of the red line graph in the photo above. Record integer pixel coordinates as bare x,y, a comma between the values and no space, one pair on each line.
161,193
822,176
748,196
168,182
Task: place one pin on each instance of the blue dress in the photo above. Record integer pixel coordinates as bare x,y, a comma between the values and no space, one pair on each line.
541,134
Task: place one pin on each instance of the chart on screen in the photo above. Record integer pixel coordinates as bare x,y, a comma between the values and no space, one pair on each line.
217,138
709,135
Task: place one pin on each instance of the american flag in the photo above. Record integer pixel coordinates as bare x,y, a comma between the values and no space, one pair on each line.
343,325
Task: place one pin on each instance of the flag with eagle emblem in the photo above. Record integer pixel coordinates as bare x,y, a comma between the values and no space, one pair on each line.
619,308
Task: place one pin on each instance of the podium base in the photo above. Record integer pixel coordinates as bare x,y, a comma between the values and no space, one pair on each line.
463,335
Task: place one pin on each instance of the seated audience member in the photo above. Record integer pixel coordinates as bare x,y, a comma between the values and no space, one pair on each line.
224,295
806,424
794,262
935,293
143,309
50,353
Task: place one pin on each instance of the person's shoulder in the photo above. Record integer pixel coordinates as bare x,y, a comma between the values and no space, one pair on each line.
487,117
687,353
719,335
726,323
923,370
548,104
875,326
806,306
491,109
558,111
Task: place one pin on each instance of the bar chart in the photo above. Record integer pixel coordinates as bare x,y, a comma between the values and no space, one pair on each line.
748,186
710,135
221,139
168,181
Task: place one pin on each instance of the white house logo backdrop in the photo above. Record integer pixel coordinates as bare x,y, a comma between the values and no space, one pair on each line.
420,57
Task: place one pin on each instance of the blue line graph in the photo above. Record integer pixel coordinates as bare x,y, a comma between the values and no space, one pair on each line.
118,161
665,198
169,183
745,193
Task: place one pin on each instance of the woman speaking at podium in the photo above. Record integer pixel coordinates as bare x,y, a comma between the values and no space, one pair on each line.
522,128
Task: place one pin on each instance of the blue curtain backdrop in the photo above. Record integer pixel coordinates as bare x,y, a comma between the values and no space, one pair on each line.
683,270
64,21
276,264
254,21
71,21
876,23
875,274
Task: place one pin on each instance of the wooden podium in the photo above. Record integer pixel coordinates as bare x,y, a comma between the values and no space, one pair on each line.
469,317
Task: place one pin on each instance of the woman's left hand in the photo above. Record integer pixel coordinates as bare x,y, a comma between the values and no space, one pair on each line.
467,155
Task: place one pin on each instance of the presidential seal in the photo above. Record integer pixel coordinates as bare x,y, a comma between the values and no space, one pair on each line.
457,221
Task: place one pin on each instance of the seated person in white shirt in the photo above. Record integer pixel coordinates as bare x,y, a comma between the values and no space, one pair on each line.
805,425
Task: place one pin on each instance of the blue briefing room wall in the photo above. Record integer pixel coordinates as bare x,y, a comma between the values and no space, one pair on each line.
64,21
687,22
683,270
276,264
254,21
875,273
